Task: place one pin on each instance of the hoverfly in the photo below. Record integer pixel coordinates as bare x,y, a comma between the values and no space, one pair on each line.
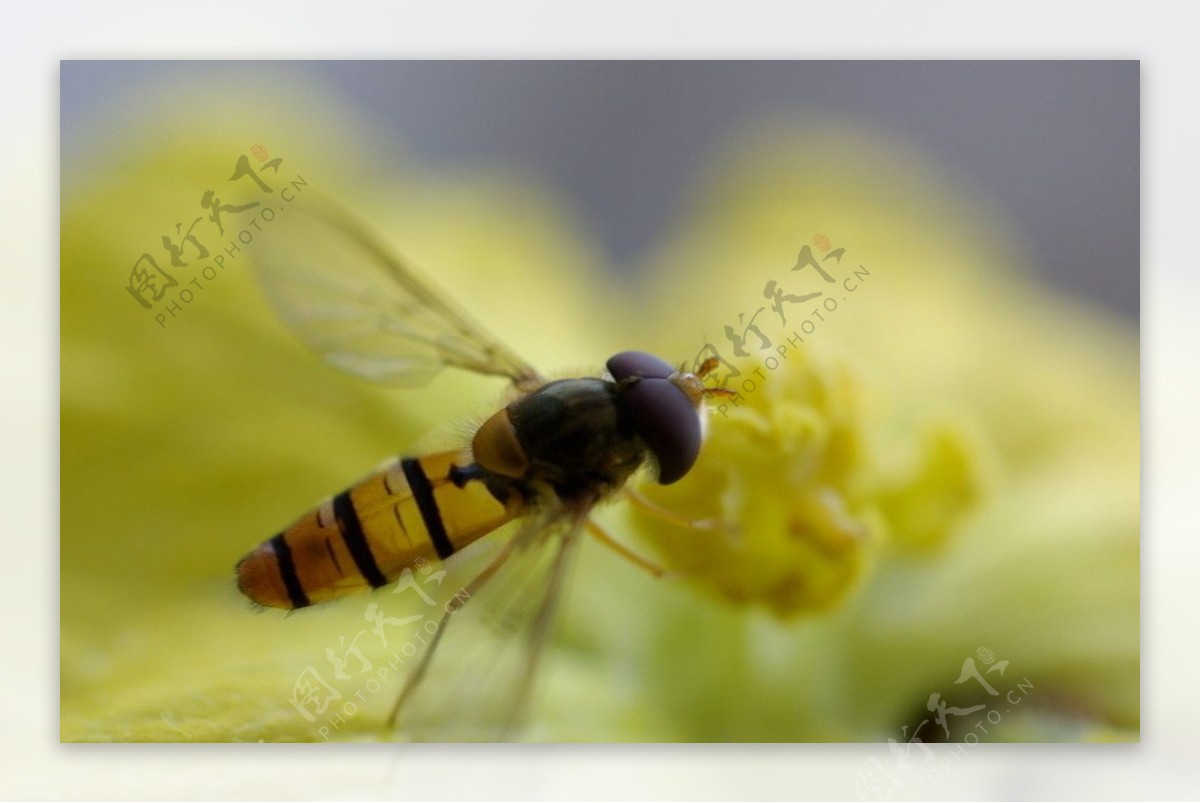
544,460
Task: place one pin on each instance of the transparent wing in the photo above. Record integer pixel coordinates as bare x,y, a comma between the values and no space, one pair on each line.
473,681
363,308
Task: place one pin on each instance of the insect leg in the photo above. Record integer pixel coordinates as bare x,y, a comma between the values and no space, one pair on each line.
545,615
624,551
470,589
644,504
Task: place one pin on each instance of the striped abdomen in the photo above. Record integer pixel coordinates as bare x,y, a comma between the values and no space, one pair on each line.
364,537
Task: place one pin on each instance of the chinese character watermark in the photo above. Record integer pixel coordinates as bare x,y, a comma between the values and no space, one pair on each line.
755,334
318,699
166,283
911,774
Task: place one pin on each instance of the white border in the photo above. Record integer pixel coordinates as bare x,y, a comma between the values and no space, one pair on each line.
1160,34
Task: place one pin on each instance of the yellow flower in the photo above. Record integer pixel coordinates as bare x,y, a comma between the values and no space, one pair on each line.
985,439
778,478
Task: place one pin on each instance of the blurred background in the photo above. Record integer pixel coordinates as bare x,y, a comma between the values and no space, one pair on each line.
1055,144
964,432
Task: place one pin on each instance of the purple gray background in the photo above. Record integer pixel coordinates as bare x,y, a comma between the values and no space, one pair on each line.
1056,143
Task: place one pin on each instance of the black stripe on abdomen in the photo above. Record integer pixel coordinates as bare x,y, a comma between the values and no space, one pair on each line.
356,540
287,570
422,491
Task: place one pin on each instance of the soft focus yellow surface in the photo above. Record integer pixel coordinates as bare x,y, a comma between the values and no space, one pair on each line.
951,464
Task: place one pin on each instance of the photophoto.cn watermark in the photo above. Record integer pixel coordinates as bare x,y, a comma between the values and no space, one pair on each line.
194,257
914,766
801,305
357,680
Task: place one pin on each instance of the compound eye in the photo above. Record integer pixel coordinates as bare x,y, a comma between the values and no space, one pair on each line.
637,363
665,418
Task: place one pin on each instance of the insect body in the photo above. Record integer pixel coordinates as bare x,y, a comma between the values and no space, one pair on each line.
367,535
574,442
546,458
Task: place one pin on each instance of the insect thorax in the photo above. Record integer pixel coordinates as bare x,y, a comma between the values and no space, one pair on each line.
577,438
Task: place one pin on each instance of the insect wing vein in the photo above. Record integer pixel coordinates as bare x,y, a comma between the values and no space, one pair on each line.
475,685
363,308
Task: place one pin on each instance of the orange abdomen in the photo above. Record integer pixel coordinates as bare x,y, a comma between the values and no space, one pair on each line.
367,535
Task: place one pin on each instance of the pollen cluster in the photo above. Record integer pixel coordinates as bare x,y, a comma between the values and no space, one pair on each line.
794,508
